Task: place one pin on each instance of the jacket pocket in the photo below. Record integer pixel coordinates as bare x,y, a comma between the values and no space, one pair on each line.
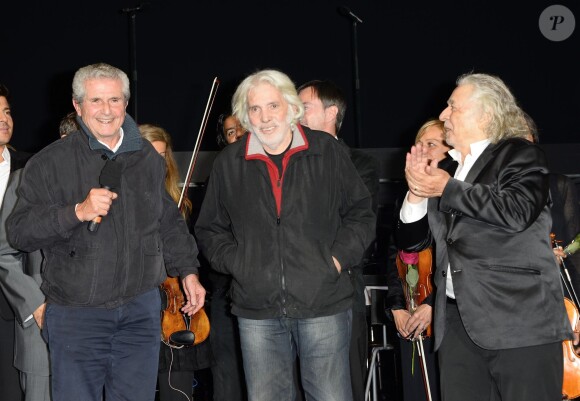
514,269
71,272
152,262
46,318
327,256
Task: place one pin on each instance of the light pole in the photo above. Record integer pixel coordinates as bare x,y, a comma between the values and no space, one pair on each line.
345,11
132,14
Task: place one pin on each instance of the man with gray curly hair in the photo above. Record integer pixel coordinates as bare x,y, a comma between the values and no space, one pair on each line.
287,215
499,315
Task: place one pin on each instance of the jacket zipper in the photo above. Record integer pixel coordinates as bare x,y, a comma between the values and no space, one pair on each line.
283,277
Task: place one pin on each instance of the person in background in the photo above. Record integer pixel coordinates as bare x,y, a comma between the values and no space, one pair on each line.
95,204
431,135
177,366
489,220
68,124
20,281
24,366
324,110
565,212
161,141
287,215
229,130
227,371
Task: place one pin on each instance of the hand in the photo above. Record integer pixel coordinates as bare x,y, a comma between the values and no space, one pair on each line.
97,203
401,316
38,315
425,180
415,164
194,294
419,320
337,264
560,254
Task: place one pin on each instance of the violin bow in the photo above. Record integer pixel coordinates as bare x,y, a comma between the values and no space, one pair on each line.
204,120
424,366
567,283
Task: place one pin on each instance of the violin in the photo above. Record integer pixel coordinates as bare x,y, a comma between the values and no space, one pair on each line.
422,290
177,328
571,382
424,285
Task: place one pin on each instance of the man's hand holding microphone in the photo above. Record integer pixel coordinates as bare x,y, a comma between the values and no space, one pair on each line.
99,200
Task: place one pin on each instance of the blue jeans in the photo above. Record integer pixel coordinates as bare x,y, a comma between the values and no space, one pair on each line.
96,349
269,348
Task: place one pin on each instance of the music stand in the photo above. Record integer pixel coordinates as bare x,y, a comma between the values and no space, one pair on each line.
375,292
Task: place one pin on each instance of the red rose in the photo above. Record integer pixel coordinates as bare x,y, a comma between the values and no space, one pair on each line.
409,258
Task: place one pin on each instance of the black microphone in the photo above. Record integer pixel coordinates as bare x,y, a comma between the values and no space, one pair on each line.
110,178
345,11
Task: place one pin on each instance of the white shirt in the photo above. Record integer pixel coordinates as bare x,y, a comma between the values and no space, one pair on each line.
4,173
411,212
118,145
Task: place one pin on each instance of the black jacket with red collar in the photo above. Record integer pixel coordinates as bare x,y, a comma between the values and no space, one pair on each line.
276,234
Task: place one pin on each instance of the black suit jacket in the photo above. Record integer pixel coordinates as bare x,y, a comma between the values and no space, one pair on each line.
493,228
367,168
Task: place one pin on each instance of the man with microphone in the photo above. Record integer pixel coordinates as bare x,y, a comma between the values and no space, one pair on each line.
102,319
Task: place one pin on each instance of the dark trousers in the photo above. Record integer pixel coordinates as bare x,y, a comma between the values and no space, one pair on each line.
98,349
471,372
227,372
358,354
411,372
9,378
176,385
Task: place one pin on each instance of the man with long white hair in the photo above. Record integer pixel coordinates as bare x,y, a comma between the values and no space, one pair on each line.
287,215
499,316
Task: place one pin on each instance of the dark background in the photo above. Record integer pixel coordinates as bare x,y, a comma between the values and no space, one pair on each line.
410,54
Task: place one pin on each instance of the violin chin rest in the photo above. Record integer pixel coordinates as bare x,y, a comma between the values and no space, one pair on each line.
182,337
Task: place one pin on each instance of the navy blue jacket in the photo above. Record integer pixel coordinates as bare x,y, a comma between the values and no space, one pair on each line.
141,236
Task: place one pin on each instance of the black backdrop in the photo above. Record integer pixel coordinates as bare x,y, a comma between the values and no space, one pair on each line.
409,56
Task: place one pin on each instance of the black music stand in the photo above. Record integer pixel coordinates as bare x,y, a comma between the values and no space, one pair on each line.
375,295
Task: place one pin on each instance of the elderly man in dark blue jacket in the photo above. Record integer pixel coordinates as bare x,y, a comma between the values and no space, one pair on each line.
287,215
102,319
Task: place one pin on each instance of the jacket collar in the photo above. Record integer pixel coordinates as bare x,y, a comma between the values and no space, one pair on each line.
132,140
18,159
255,150
486,156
